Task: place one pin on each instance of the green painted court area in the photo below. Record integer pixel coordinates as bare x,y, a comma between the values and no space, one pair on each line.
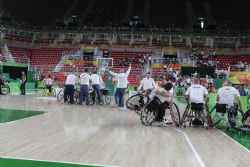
243,139
7,162
8,115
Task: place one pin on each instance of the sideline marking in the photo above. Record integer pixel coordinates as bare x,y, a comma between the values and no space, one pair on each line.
47,98
233,140
192,148
49,161
35,116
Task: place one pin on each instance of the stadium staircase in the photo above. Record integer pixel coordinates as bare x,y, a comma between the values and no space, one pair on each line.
7,55
60,63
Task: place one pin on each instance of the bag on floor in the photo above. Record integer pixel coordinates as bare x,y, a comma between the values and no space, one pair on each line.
197,122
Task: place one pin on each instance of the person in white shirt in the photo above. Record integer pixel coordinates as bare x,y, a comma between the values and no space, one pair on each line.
175,76
196,93
147,84
188,80
227,94
122,79
96,80
84,88
165,95
48,83
70,88
150,60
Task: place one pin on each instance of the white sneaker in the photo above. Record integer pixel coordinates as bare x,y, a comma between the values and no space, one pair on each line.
167,121
122,108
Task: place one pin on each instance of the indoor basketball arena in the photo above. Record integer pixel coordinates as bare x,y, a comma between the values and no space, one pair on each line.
125,83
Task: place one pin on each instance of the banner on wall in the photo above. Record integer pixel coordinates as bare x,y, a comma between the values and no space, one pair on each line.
239,77
173,50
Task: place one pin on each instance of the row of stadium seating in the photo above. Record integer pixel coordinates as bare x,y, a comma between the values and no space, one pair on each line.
46,59
128,56
60,77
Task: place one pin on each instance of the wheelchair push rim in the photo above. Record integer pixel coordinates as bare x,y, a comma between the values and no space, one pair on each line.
175,114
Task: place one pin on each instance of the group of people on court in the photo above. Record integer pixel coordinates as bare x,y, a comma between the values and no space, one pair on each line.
196,93
95,81
85,80
23,81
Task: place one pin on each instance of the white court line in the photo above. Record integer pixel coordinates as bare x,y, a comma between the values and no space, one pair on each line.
192,147
73,163
233,140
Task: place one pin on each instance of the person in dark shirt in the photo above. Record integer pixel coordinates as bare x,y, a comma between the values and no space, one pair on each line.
23,83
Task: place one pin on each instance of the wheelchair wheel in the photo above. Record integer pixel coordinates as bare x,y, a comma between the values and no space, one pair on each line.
175,114
107,99
132,101
5,89
77,96
99,102
216,117
184,116
147,116
53,93
60,95
209,122
136,101
209,118
92,98
235,117
45,92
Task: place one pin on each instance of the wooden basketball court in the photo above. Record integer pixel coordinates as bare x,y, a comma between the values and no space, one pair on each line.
107,136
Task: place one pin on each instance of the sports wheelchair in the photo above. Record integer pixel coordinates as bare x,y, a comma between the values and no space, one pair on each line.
150,112
105,96
137,102
60,95
231,116
4,88
197,114
46,92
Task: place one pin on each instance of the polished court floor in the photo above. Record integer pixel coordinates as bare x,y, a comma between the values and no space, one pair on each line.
107,136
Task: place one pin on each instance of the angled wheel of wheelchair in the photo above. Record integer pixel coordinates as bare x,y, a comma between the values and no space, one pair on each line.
235,118
5,89
92,98
209,118
217,117
76,96
45,92
107,99
53,93
188,116
148,116
175,114
132,101
136,102
60,95
184,116
99,102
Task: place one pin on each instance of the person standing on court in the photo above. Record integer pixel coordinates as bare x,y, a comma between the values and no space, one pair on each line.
84,89
70,88
147,84
48,84
96,81
23,83
122,79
